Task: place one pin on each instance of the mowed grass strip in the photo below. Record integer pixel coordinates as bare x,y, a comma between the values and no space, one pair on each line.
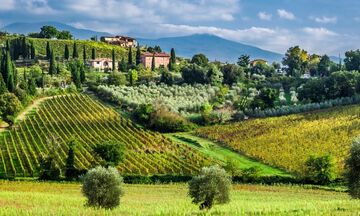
220,153
38,198
288,141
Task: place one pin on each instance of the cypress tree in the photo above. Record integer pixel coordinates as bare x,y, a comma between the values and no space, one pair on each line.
52,66
84,54
82,73
172,61
8,73
130,58
3,88
113,60
32,86
122,65
172,56
153,66
93,54
33,52
70,170
75,52
66,52
138,55
48,50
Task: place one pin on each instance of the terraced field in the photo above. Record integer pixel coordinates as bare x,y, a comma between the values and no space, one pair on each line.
288,141
78,116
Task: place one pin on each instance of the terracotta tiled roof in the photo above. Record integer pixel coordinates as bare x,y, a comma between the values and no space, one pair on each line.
149,54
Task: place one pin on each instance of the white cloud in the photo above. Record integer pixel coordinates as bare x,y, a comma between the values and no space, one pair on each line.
319,32
325,20
264,16
7,4
38,7
282,13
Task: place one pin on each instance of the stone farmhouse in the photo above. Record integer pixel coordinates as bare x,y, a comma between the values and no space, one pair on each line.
161,59
119,40
101,64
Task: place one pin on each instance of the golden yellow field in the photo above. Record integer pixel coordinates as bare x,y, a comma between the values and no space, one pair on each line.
288,141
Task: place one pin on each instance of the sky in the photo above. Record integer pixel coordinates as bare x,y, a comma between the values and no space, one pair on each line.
319,26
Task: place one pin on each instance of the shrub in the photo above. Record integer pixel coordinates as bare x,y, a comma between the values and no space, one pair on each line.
163,120
49,169
231,167
116,79
251,174
9,105
210,187
102,187
353,169
111,152
320,170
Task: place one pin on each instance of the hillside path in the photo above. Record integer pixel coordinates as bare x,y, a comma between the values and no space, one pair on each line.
22,115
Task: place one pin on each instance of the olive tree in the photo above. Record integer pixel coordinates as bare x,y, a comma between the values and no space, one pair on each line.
211,186
353,169
102,187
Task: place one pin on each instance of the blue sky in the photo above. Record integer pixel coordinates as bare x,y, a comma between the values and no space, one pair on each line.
319,26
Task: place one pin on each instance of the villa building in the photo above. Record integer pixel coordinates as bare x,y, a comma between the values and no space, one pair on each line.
101,64
119,40
161,59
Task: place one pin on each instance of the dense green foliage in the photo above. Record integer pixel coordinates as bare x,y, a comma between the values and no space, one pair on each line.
103,187
320,169
112,153
211,186
353,169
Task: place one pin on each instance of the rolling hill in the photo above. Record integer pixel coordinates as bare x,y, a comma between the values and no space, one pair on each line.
48,130
215,48
25,28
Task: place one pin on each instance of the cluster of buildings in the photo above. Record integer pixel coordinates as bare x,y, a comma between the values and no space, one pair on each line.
103,64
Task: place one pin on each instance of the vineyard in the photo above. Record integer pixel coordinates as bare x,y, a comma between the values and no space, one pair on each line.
78,116
288,141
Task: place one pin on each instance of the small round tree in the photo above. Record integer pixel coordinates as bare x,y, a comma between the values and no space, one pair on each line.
111,152
102,187
212,186
353,169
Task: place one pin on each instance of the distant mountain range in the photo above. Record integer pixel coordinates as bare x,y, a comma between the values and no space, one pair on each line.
25,28
215,48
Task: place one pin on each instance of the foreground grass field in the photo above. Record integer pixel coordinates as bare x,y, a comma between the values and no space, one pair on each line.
31,198
288,141
214,150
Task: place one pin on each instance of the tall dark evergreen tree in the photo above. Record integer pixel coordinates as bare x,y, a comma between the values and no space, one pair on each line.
93,54
113,60
66,52
75,67
48,50
33,51
32,86
138,55
70,170
52,66
122,65
172,56
84,54
75,52
130,58
3,88
82,73
8,72
153,66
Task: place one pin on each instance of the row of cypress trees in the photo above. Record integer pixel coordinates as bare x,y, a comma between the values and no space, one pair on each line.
8,71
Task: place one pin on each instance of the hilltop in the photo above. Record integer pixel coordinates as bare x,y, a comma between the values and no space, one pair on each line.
214,47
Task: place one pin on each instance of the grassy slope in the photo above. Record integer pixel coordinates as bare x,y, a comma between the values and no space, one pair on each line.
220,153
32,198
288,141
